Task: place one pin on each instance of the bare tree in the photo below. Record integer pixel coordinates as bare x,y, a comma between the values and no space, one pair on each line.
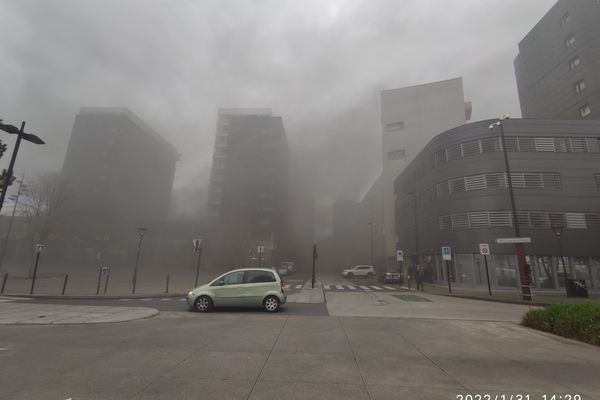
44,206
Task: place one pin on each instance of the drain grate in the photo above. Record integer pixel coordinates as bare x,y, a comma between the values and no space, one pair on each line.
410,297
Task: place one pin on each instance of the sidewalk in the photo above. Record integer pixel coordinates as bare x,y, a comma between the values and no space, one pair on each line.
51,314
308,294
540,297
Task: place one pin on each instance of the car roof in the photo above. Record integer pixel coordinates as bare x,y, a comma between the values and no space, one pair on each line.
252,269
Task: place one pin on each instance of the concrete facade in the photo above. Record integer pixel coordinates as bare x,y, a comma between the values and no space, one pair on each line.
462,200
558,66
248,188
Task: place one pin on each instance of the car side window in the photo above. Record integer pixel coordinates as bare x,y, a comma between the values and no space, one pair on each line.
259,277
233,278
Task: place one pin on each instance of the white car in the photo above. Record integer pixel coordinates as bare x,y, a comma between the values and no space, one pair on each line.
289,265
359,270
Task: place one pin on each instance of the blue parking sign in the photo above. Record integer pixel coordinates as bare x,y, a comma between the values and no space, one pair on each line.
446,253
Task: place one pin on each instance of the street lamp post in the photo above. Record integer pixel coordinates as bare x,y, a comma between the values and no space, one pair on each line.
20,136
558,232
416,254
141,232
371,234
519,247
15,198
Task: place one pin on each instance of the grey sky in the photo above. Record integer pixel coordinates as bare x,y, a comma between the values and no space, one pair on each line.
319,64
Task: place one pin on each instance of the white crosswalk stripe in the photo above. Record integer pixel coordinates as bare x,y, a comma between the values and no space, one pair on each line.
326,287
351,287
364,287
181,299
298,286
124,299
377,288
145,299
165,299
340,287
389,288
286,287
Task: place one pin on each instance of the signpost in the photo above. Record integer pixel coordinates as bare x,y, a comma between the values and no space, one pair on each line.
314,257
104,270
484,250
197,249
260,250
400,259
447,257
520,250
39,249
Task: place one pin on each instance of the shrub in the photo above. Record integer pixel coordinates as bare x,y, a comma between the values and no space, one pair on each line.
575,321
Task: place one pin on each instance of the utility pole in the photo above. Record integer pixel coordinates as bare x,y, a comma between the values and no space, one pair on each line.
141,232
22,188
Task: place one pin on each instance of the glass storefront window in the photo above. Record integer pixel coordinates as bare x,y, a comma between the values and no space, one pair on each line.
543,274
595,270
562,270
464,269
505,270
581,269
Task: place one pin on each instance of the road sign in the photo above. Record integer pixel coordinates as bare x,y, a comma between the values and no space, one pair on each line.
514,240
260,249
446,253
484,249
39,248
105,269
399,255
197,243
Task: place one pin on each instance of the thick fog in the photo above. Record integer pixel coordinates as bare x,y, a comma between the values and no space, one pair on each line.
318,64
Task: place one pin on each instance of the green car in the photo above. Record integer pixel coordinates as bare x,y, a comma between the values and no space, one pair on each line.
253,287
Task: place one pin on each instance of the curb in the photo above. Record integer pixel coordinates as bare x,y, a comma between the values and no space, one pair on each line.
507,301
93,297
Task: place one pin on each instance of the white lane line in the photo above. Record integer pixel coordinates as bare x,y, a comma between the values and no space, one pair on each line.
326,287
340,287
351,287
298,286
286,287
364,287
124,299
376,287
389,288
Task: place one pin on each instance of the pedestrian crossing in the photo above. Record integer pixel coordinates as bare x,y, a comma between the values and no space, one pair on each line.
346,287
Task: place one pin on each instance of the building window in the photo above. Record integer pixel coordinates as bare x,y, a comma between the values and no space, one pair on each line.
543,144
565,19
585,110
569,41
574,62
394,126
396,154
579,86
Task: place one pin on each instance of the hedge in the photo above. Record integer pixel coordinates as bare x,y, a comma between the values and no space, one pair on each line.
575,321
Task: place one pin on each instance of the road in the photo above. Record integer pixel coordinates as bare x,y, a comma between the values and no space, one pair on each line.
368,344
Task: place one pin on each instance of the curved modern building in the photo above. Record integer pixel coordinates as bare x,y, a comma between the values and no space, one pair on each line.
455,193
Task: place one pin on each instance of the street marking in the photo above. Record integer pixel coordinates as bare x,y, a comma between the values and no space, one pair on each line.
181,299
364,287
3,348
124,299
298,286
389,288
165,299
326,287
340,287
377,288
286,287
145,299
351,287
404,287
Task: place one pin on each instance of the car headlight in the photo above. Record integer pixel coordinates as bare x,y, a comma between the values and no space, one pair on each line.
190,294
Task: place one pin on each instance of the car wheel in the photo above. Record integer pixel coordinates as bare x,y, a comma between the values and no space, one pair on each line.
203,304
350,275
369,275
271,303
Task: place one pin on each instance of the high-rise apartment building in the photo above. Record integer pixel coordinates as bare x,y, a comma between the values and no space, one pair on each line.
410,118
558,66
117,170
248,187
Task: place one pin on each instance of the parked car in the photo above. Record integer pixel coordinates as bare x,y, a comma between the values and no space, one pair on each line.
282,270
253,287
391,277
366,271
290,265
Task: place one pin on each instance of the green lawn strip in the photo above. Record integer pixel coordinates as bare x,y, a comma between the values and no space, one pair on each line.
574,321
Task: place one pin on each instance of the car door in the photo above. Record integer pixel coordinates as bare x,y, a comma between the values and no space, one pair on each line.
361,271
228,289
256,285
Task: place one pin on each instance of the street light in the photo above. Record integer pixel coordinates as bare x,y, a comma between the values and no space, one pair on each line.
22,189
20,135
414,196
141,232
558,232
519,247
371,232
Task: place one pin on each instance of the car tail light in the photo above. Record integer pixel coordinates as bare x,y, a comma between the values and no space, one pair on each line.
281,286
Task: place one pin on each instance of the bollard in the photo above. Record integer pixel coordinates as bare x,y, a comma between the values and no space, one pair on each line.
167,291
4,282
65,284
106,281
